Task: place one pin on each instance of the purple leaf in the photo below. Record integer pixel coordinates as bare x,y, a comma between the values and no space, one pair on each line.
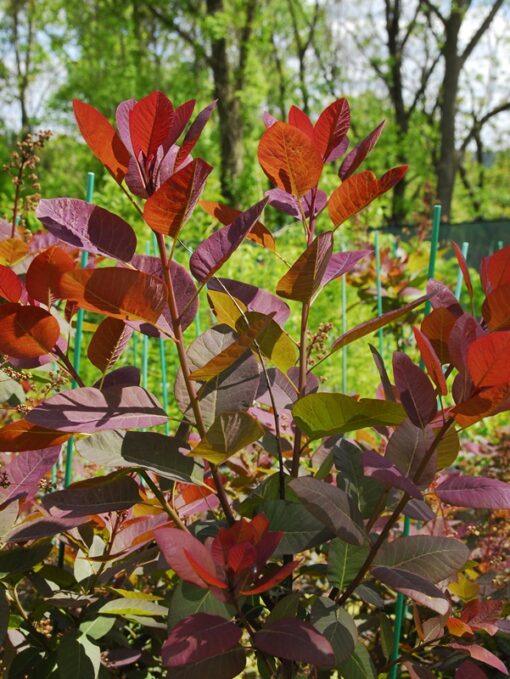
414,586
358,154
182,114
441,296
287,203
419,510
86,410
126,376
268,119
378,467
255,299
88,226
342,263
223,666
97,495
476,492
406,447
122,120
25,471
198,637
293,639
482,654
468,670
212,253
122,657
417,394
331,506
464,331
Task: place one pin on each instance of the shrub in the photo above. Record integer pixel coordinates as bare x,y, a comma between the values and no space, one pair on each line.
267,528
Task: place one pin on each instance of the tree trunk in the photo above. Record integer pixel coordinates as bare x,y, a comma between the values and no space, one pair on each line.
447,163
229,113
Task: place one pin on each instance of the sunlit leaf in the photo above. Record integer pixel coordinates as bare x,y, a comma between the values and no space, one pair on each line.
27,331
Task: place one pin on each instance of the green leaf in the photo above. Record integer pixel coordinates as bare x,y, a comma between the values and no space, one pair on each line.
11,392
337,626
300,528
284,608
344,562
161,454
187,599
22,559
133,606
434,558
78,657
359,665
230,433
386,629
364,491
98,627
325,414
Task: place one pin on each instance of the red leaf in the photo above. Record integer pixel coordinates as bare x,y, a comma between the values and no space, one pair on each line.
299,119
272,580
176,546
495,270
463,267
203,573
102,139
289,159
171,205
293,639
305,276
10,284
487,360
331,128
27,331
416,392
108,342
437,327
496,308
431,361
150,122
44,273
23,435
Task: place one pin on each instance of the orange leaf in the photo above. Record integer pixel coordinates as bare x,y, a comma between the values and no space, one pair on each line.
437,326
304,277
289,159
496,308
108,342
43,275
171,205
458,628
22,435
12,250
259,233
359,190
487,360
102,139
121,293
10,285
27,331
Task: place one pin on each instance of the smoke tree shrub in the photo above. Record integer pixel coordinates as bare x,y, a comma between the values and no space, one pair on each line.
265,531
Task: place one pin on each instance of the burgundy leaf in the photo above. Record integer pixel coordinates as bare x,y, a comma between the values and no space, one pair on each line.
88,226
414,586
482,654
464,331
198,637
468,670
477,492
45,527
97,495
150,122
358,154
299,119
212,253
417,394
443,297
194,132
378,467
293,639
86,410
286,202
126,376
122,120
182,114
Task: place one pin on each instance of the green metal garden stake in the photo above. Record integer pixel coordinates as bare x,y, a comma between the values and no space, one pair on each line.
400,606
460,277
378,285
68,472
